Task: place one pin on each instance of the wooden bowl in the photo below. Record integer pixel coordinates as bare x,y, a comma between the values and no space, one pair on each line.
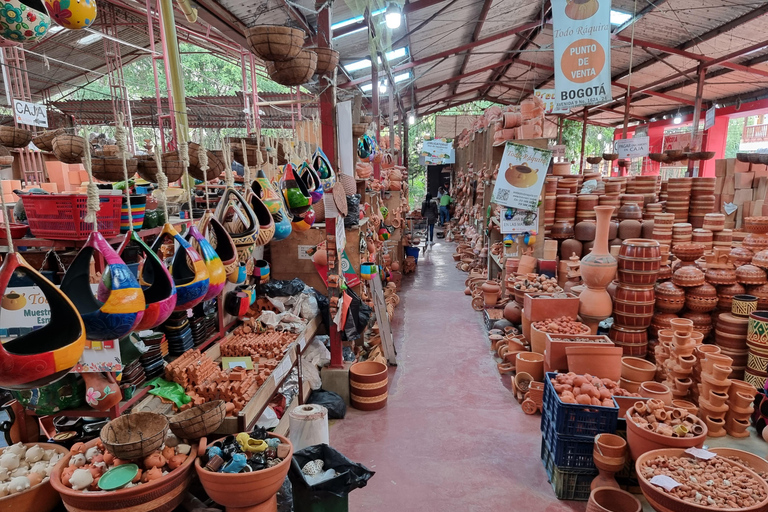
40,498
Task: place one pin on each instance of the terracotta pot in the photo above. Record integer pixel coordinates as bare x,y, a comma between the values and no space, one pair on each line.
651,389
682,324
39,498
633,306
757,331
491,290
610,445
597,270
642,440
632,386
247,490
609,499
739,386
102,393
531,363
368,385
712,359
633,341
639,261
601,361
669,297
688,406
717,398
637,369
513,312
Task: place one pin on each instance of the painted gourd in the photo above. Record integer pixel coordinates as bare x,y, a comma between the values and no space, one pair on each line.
72,14
581,9
311,180
239,220
21,23
44,355
264,218
217,275
263,188
114,317
187,269
295,191
324,169
282,218
304,221
159,290
220,240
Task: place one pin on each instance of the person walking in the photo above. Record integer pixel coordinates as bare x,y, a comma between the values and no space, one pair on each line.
429,212
445,202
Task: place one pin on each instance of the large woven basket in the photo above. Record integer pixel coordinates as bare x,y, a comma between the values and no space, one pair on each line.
275,43
134,436
215,164
44,141
251,151
358,129
296,71
327,60
172,167
6,158
69,148
199,421
110,168
12,137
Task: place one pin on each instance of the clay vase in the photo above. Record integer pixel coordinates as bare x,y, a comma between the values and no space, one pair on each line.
102,393
598,269
491,291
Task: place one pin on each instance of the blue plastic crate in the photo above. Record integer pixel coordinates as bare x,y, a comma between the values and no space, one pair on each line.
576,419
569,452
568,484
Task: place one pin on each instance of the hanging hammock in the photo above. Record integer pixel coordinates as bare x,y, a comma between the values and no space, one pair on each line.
159,290
311,180
217,275
187,269
44,355
219,239
239,220
115,316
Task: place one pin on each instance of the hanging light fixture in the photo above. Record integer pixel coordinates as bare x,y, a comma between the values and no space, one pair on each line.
678,119
383,87
411,118
393,16
599,136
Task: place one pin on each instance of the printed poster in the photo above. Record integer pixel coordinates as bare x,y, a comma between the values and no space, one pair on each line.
521,176
548,97
582,41
438,151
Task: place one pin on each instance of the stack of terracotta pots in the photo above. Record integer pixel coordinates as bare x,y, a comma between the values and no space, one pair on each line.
678,366
638,267
662,227
565,215
730,336
741,396
713,392
585,207
757,343
679,197
702,200
550,203
701,353
757,239
682,233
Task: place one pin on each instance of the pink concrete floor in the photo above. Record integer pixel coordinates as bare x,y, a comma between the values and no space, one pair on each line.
452,438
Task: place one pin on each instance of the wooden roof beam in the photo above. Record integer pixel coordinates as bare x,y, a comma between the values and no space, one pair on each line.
451,105
448,97
638,16
475,36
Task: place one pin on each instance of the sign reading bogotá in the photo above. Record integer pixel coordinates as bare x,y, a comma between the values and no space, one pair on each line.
582,34
30,113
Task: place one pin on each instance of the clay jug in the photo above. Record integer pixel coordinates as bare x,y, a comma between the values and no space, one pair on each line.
102,393
597,271
490,292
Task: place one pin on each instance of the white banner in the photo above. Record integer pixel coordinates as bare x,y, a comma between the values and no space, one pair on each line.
709,120
521,176
438,151
30,113
582,34
548,97
632,148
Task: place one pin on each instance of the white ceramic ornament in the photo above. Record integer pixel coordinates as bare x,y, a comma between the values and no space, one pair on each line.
18,448
77,460
41,467
81,479
91,452
18,484
9,460
34,454
183,449
4,490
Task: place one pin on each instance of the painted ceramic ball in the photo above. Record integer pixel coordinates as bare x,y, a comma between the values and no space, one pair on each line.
72,14
304,222
383,234
21,23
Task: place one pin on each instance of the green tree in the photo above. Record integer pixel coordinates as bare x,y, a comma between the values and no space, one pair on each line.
599,140
735,131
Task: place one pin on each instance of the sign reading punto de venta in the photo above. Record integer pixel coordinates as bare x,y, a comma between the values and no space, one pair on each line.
582,41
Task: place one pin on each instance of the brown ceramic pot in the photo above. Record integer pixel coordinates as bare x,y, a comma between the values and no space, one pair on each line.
669,297
368,385
633,306
597,270
633,341
652,389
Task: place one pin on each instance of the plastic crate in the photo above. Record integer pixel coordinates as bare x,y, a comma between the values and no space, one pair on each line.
569,452
60,216
567,484
576,419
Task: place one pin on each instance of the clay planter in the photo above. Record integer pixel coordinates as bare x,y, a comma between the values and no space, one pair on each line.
637,369
740,256
530,363
651,389
609,499
688,277
688,406
367,386
751,275
556,358
633,306
669,297
633,386
633,341
540,306
161,495
757,330
39,498
639,261
491,292
642,440
701,298
600,361
246,491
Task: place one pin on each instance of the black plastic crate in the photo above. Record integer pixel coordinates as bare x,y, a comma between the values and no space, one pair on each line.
572,484
576,419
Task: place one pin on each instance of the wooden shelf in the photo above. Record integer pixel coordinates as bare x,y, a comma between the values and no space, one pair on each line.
496,259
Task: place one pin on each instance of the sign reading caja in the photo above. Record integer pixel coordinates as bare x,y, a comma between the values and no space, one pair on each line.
582,34
30,113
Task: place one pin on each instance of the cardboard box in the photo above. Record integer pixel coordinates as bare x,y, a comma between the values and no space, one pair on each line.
719,183
757,208
733,166
760,188
721,167
742,196
743,180
729,185
550,250
759,170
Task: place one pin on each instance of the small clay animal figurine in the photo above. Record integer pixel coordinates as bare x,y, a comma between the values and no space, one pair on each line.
77,448
66,475
81,479
109,458
213,451
171,440
4,491
183,449
91,452
168,452
9,460
20,471
248,444
4,474
176,461
34,478
258,461
17,449
34,454
156,460
152,474
236,465
18,484
77,460
41,467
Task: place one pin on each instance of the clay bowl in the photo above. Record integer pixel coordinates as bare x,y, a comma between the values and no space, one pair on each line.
637,369
641,440
610,445
40,498
162,495
659,500
633,386
244,490
610,499
688,406
753,462
652,389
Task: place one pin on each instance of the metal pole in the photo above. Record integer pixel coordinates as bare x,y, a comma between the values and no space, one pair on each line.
696,115
374,101
583,141
560,123
391,113
171,50
154,57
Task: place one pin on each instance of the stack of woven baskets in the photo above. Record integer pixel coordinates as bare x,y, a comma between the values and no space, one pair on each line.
288,62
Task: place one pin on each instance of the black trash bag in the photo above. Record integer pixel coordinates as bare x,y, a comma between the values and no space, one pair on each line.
337,409
285,496
352,220
282,288
358,315
351,475
324,304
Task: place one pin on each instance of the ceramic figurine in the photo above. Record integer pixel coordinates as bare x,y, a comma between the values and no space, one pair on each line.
236,464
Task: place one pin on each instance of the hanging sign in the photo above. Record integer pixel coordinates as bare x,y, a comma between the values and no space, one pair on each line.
709,120
558,151
632,148
521,176
582,41
548,97
30,113
516,222
438,151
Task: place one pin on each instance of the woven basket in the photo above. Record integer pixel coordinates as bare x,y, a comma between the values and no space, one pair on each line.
358,129
594,159
6,158
44,141
297,71
327,60
349,184
172,167
199,421
319,208
252,152
69,148
275,43
215,164
340,198
11,137
110,168
134,436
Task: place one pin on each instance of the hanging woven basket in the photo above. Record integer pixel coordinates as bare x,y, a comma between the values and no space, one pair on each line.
252,152
44,141
215,164
12,137
327,60
294,72
358,129
110,168
172,167
69,148
6,158
275,43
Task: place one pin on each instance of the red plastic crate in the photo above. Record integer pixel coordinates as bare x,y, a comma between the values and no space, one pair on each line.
60,217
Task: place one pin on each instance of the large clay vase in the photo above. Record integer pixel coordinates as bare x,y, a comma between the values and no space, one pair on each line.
491,292
101,393
598,269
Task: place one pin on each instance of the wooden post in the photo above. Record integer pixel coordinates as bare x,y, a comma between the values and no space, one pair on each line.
583,141
697,115
560,123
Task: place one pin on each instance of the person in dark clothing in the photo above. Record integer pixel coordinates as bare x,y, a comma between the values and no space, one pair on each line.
429,212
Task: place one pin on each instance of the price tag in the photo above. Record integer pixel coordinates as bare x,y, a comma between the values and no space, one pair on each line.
700,453
282,370
665,482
